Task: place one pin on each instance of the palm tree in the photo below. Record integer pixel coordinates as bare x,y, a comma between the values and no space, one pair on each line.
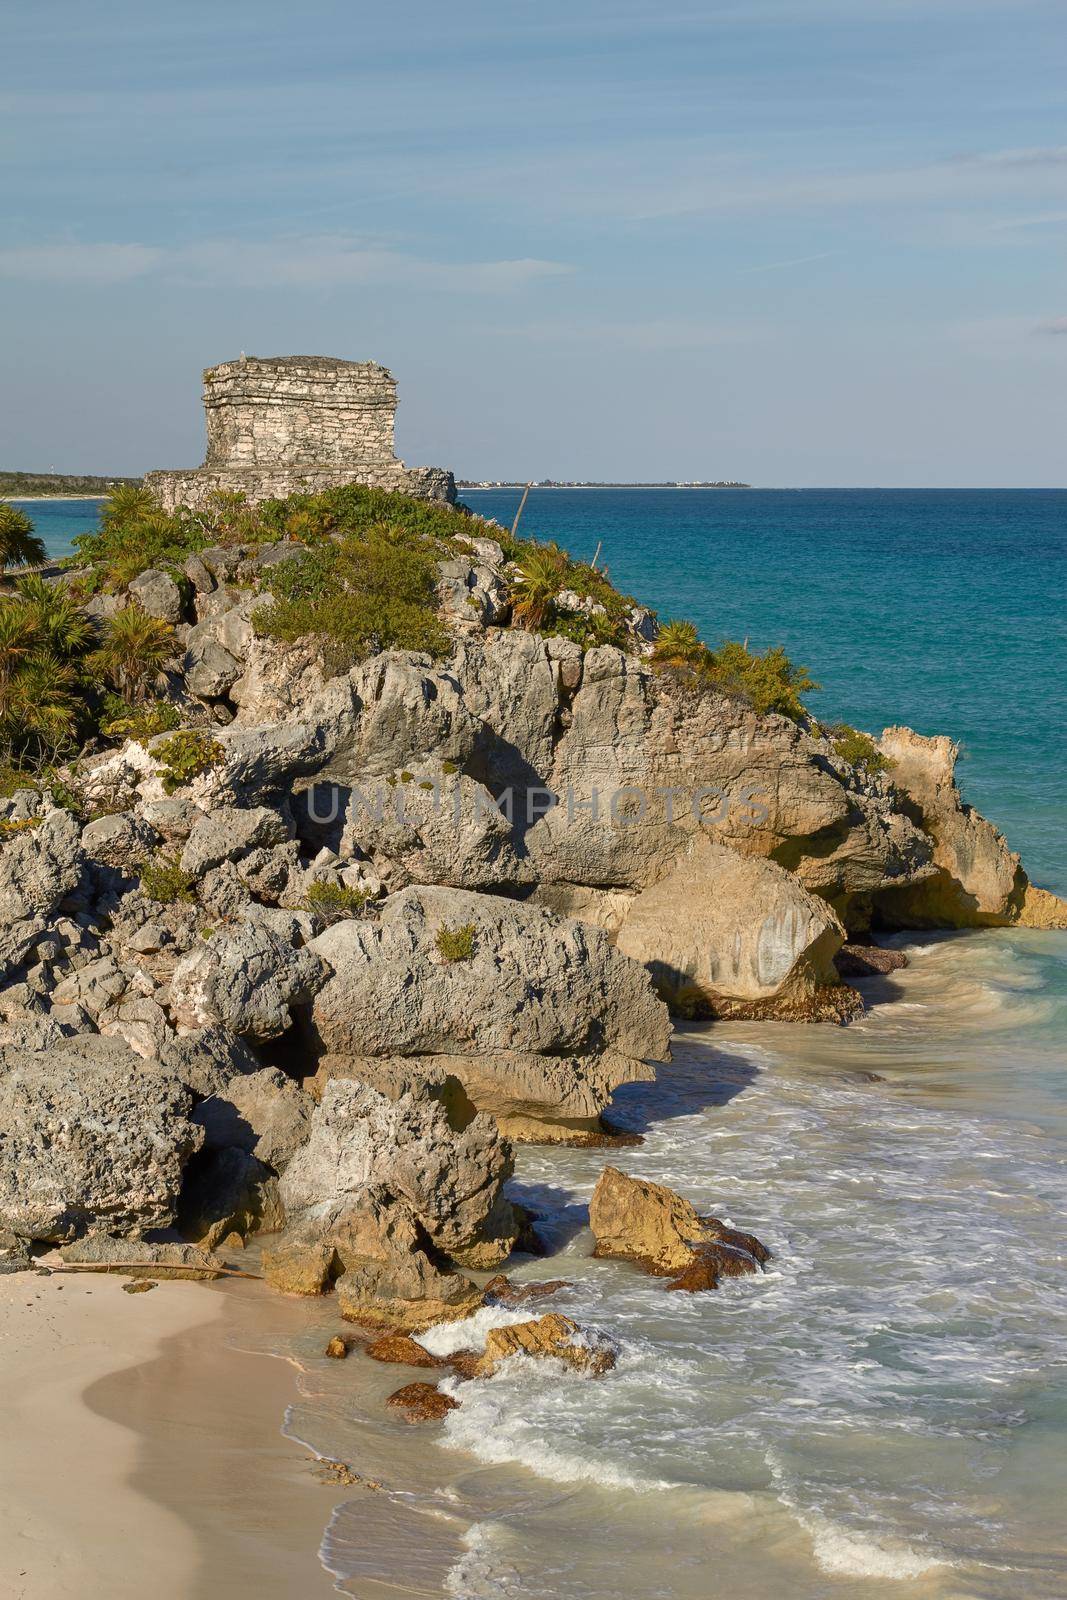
129,503
678,644
542,573
18,639
19,545
62,627
38,707
135,649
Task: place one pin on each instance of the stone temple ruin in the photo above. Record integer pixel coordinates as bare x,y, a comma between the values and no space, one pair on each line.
282,425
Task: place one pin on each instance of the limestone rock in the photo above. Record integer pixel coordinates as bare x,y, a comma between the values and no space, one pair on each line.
552,1337
227,833
731,935
539,1023
979,881
449,1180
633,1219
91,1140
245,979
263,1113
208,1059
141,1258
157,593
402,1349
422,1402
39,867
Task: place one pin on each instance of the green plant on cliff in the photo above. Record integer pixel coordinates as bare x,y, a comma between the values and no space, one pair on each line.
133,653
357,595
19,545
543,573
333,902
121,720
42,698
767,682
456,944
135,533
185,756
858,749
164,880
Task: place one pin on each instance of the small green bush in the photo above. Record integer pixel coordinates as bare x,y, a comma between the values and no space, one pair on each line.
164,880
767,682
120,720
364,593
335,901
135,533
456,944
185,755
858,749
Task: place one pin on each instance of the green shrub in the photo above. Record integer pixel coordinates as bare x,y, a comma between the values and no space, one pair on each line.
135,533
543,572
164,880
858,749
185,755
335,901
767,682
19,545
456,944
355,596
120,720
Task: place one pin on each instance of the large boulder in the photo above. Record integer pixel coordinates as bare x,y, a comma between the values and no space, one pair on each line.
539,1020
384,1198
244,979
91,1140
635,1220
730,936
40,865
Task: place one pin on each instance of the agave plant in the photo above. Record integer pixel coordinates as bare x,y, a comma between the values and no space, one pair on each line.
133,653
19,545
542,574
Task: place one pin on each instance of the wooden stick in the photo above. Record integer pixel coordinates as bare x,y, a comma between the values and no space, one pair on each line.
519,512
596,556
152,1267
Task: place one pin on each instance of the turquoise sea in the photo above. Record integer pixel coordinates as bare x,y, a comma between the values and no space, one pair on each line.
884,1411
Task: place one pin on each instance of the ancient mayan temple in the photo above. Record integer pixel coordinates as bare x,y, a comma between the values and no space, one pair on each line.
282,425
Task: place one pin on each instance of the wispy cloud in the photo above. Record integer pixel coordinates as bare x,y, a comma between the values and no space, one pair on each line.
1052,325
793,261
309,263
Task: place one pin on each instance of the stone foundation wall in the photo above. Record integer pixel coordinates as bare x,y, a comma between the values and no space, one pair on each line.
284,425
194,487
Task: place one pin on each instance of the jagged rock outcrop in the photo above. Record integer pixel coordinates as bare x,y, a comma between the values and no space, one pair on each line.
539,1022
635,1220
730,935
384,1198
91,1141
979,881
552,1337
245,979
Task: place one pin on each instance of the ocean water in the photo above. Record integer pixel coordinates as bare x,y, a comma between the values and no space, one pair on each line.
884,1410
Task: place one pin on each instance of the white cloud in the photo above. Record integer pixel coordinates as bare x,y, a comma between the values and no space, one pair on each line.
310,263
1052,325
78,263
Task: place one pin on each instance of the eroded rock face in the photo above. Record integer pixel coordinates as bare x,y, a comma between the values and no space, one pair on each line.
90,1142
979,881
636,1220
730,935
538,1023
384,1194
245,979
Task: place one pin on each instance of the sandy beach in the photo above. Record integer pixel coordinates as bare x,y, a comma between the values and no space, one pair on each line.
142,1447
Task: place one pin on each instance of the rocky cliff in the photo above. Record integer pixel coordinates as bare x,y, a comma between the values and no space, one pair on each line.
299,944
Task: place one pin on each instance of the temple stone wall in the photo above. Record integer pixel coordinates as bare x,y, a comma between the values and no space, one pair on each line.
297,424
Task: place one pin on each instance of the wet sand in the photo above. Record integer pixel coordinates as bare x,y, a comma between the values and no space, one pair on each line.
142,1448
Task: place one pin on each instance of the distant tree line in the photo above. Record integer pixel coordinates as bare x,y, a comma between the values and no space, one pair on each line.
30,485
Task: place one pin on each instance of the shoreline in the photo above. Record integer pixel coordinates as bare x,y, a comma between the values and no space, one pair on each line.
144,1412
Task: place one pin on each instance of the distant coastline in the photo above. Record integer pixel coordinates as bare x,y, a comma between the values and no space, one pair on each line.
58,485
560,483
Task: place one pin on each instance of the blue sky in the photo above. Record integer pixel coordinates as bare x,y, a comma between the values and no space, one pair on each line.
790,241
